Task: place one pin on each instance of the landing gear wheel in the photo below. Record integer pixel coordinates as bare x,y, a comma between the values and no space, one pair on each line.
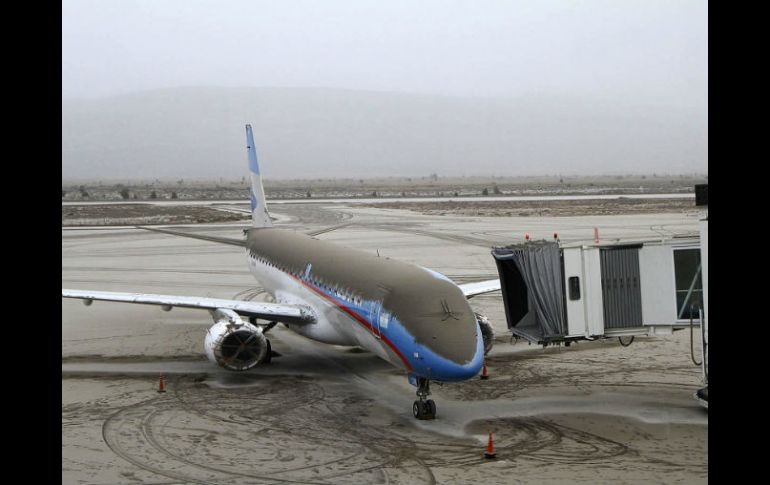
424,409
269,354
431,408
417,409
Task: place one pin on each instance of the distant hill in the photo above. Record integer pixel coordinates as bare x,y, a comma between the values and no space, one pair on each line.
310,133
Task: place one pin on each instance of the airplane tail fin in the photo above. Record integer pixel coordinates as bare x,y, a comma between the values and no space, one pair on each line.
259,215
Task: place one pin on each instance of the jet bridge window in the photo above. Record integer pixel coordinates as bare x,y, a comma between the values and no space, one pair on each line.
689,287
574,287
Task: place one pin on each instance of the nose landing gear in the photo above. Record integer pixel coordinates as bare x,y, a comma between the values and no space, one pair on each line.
422,408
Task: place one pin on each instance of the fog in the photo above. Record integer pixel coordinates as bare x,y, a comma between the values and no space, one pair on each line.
338,89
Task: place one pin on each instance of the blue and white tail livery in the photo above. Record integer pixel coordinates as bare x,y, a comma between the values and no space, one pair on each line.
259,215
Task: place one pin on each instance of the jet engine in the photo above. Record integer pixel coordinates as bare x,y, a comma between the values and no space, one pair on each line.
235,344
487,332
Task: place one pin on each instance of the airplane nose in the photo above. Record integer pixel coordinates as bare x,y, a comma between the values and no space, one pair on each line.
462,372
448,369
444,341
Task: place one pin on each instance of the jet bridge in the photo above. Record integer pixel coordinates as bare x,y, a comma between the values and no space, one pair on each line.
559,293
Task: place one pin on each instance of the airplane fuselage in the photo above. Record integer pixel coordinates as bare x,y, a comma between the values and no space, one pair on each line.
414,318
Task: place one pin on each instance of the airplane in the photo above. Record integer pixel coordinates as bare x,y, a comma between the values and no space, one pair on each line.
412,317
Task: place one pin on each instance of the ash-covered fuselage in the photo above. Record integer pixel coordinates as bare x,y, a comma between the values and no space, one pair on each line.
412,317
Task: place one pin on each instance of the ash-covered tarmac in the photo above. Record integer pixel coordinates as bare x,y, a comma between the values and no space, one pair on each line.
591,413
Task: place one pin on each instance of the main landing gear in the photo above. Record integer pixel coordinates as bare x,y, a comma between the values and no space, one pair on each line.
266,328
422,408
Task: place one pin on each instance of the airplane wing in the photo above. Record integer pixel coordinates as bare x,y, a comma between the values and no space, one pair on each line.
324,230
472,289
278,312
231,241
221,240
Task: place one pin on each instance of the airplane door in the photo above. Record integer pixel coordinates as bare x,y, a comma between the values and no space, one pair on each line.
376,312
383,319
380,316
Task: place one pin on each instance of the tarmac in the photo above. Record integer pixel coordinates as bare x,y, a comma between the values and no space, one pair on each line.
595,412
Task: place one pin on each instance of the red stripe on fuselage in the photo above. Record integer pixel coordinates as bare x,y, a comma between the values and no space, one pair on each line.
357,318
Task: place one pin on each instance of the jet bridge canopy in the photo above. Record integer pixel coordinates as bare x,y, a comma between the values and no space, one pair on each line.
532,283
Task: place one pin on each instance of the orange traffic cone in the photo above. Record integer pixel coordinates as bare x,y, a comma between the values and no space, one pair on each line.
161,385
490,453
484,374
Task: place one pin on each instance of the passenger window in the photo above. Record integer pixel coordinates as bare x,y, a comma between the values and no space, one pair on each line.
574,288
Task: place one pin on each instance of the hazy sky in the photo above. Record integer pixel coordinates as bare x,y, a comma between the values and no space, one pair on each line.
652,51
164,87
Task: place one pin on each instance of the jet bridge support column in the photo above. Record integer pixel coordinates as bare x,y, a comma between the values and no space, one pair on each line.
701,200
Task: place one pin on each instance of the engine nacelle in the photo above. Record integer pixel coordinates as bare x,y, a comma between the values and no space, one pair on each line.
487,332
233,343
